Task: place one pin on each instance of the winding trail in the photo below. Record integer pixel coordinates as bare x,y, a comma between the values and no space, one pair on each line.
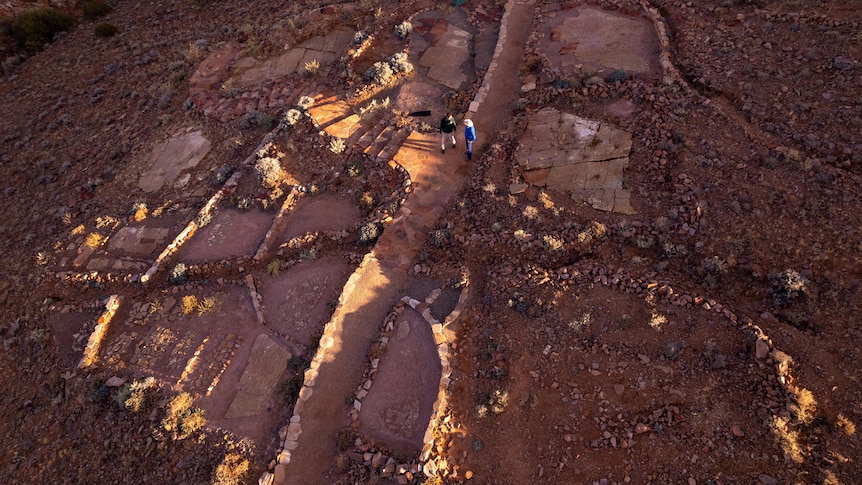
380,281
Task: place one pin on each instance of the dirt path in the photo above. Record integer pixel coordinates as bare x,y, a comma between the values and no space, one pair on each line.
437,177
504,88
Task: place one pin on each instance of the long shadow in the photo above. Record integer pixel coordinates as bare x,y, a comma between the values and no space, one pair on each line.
421,145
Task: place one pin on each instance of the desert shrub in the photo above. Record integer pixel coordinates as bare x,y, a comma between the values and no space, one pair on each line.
133,395
375,106
203,219
403,30
95,240
105,29
346,438
178,274
256,119
845,425
643,241
305,103
492,403
291,117
805,407
355,168
312,66
380,73
368,233
366,200
189,304
221,175
35,28
298,363
617,75
359,37
532,63
274,267
787,287
99,391
337,145
182,420
399,63
553,243
206,305
233,470
270,172
10,62
714,265
440,238
140,211
95,9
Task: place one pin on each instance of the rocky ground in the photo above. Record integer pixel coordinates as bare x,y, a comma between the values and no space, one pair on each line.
710,338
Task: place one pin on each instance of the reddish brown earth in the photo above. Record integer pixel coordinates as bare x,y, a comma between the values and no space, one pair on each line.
556,380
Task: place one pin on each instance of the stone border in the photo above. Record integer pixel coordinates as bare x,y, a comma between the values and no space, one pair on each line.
492,66
430,467
277,224
289,436
374,457
206,210
661,31
98,334
256,300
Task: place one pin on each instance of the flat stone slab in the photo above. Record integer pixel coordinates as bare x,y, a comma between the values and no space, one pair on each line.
230,234
213,68
446,57
601,40
181,152
267,363
323,49
584,157
336,118
140,240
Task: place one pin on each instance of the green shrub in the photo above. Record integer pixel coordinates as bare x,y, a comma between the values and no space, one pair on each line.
35,28
95,9
105,30
440,238
787,287
617,75
256,119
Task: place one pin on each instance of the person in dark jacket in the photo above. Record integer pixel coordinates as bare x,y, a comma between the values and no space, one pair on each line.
470,136
447,130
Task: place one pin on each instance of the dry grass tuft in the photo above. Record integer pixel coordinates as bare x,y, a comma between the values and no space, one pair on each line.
190,304
787,439
233,470
845,425
95,240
